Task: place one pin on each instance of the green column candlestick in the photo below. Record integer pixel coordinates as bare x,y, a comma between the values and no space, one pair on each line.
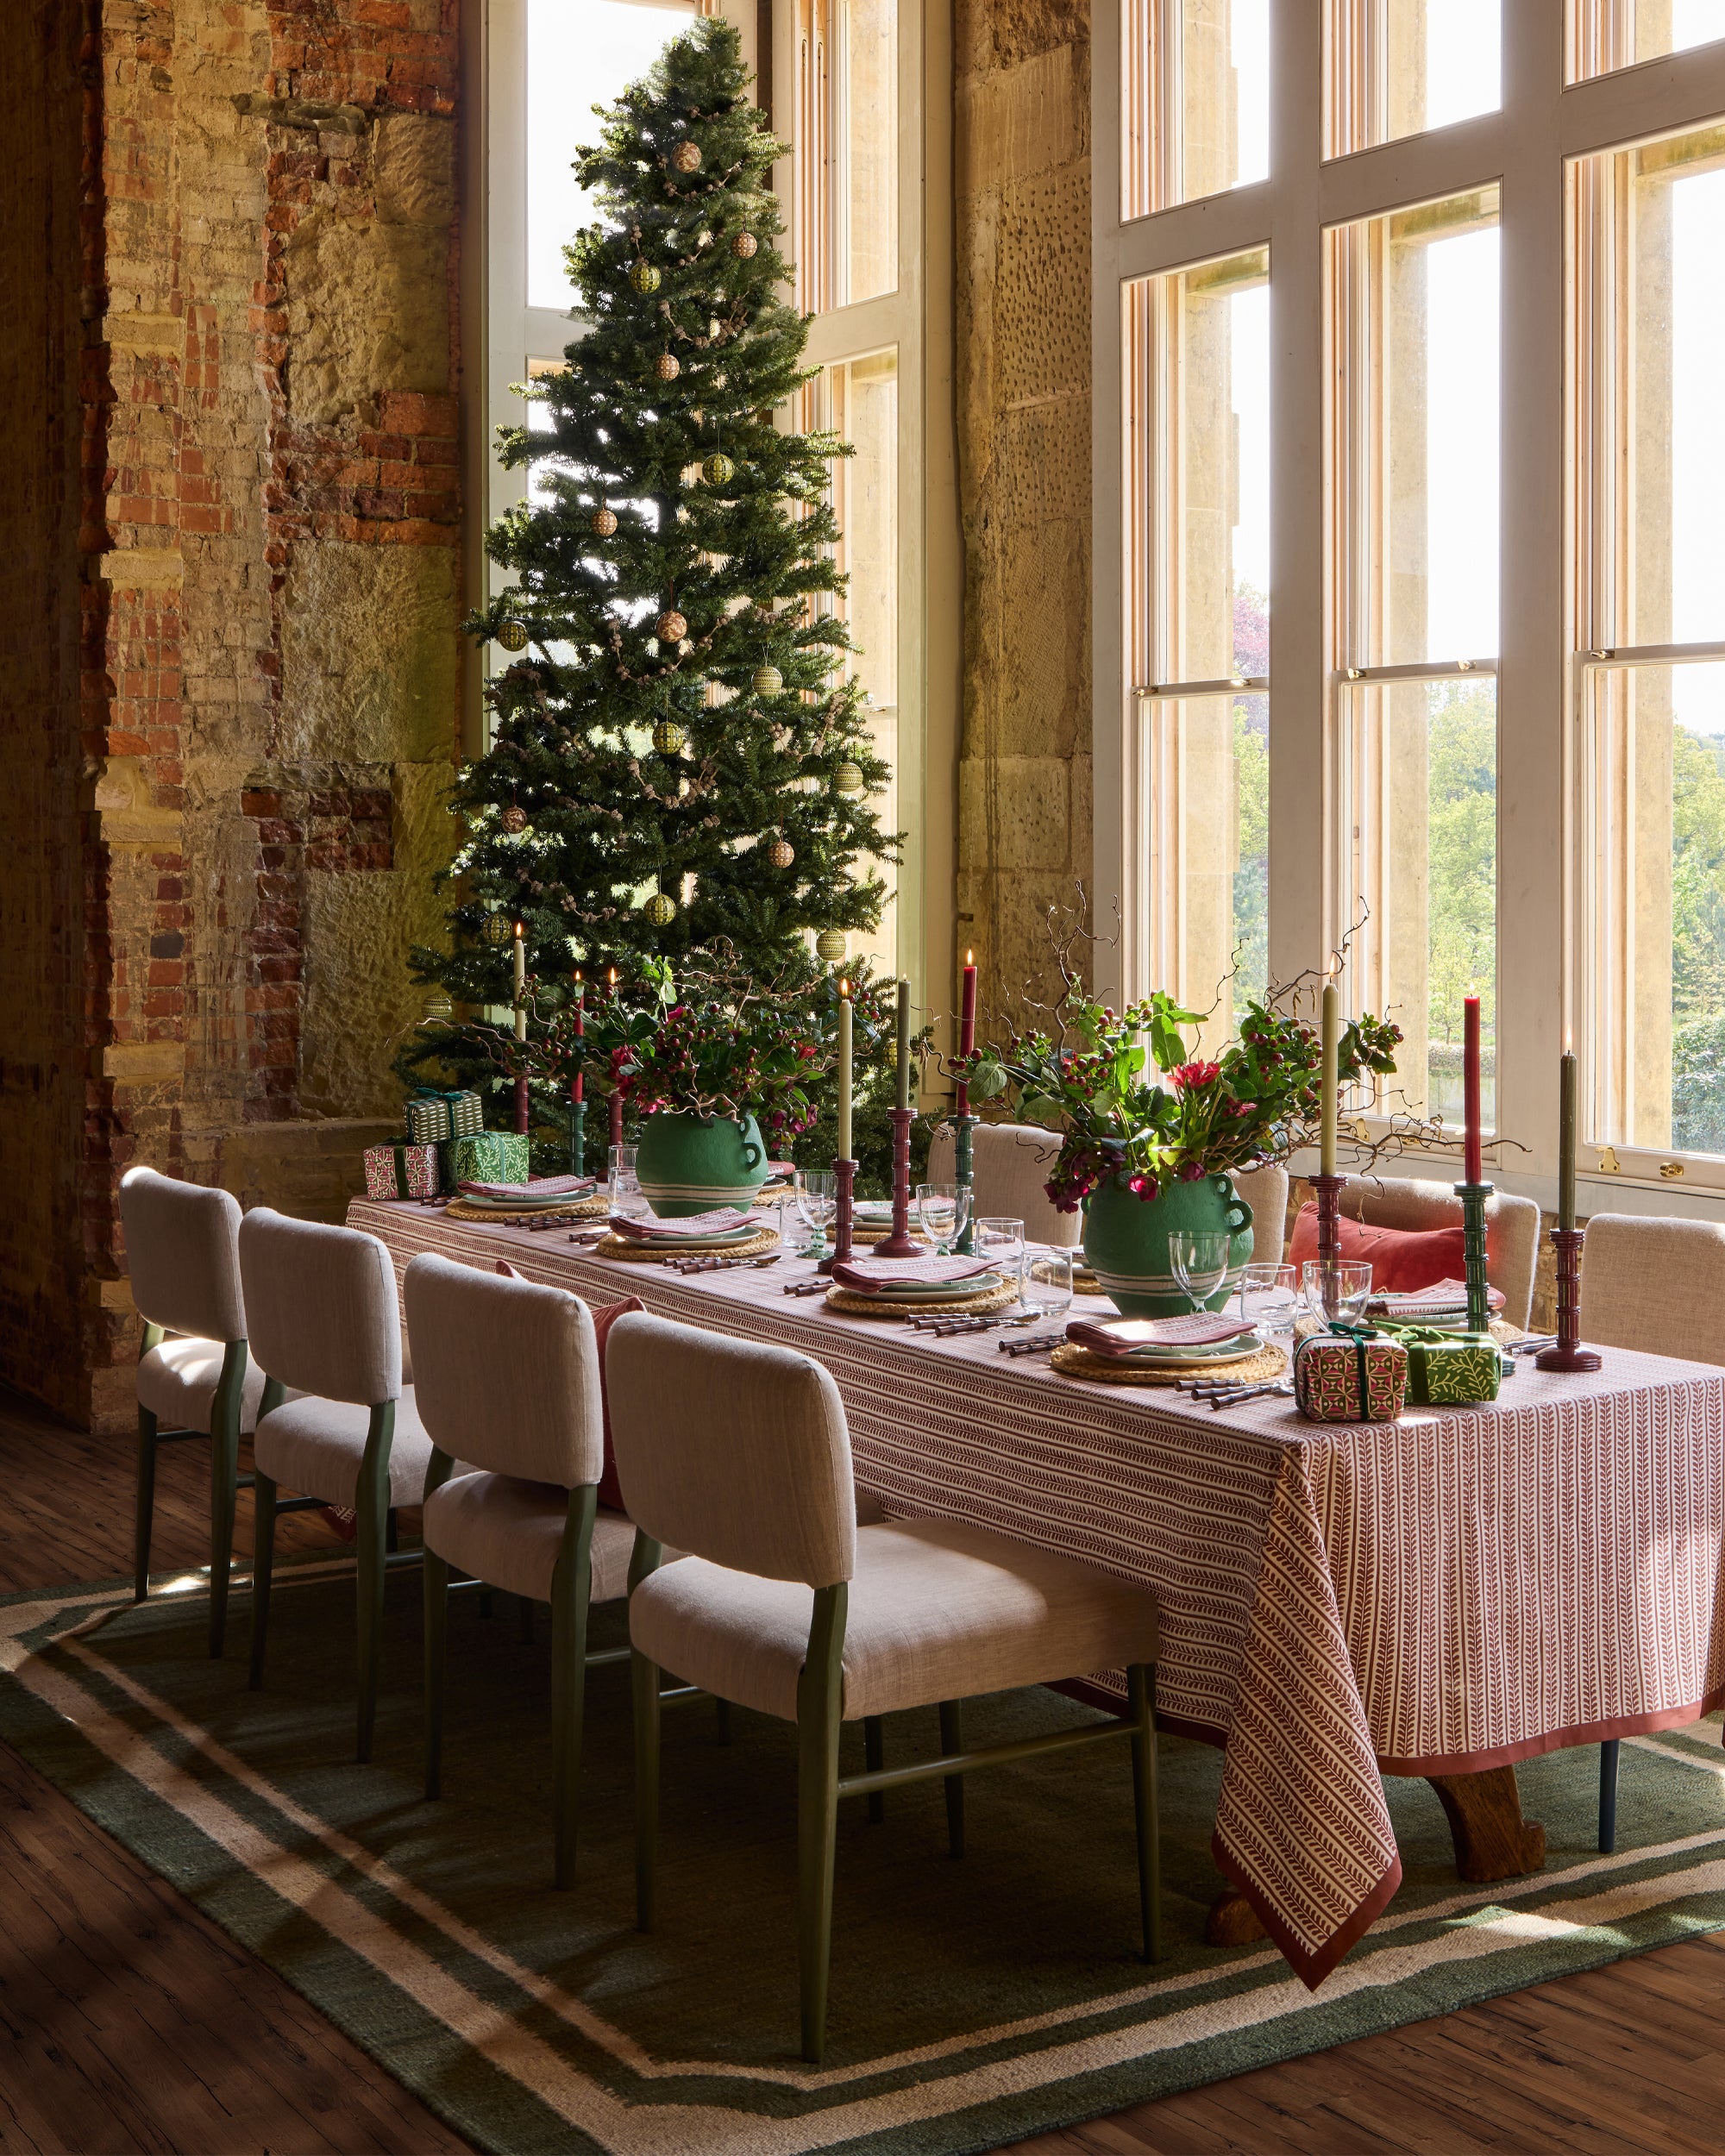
965,1175
1473,1197
578,1137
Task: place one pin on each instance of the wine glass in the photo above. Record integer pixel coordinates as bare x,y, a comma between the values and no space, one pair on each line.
1198,1258
1268,1293
943,1209
817,1201
1048,1280
1001,1242
1332,1289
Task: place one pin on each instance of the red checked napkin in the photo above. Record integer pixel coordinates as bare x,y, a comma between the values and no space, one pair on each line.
697,1228
535,1186
869,1275
1122,1335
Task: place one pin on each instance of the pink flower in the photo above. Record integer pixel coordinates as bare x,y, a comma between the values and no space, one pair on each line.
1193,1171
1187,1077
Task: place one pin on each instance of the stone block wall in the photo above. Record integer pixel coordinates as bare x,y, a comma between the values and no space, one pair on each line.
229,668
1023,254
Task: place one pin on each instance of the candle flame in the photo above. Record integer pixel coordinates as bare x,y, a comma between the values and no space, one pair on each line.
578,977
844,991
1569,1041
970,957
612,977
519,930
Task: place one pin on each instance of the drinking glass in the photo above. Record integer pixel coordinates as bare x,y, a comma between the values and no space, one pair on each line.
621,1157
944,1210
1048,1280
626,1197
817,1201
1268,1293
1001,1242
1198,1258
1334,1290
795,1234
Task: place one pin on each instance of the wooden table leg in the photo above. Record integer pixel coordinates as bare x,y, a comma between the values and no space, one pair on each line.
1492,1840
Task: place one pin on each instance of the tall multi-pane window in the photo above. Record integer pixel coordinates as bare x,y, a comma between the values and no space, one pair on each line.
1492,458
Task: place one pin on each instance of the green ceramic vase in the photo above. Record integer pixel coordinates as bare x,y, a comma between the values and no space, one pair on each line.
1126,1242
685,1165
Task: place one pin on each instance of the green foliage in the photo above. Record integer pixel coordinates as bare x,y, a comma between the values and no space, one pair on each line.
1462,858
742,551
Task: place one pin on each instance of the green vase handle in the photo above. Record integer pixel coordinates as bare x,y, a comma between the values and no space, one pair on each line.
1238,1215
753,1154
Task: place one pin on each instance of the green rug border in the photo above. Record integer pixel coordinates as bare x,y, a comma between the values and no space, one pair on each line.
499,2114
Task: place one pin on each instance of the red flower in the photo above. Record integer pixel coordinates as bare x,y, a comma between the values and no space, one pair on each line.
1188,1076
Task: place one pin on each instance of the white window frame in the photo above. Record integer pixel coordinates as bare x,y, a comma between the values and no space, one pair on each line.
1545,122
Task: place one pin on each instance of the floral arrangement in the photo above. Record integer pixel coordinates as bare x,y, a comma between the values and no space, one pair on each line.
1129,1098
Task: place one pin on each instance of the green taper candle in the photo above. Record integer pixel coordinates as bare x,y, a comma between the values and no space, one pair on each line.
1566,1085
904,1044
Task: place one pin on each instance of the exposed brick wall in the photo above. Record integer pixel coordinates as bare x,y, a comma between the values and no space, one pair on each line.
229,664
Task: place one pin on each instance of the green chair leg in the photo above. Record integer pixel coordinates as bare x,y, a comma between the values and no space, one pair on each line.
820,1691
1141,1706
874,1758
571,1592
645,1680
371,1510
263,1566
143,1518
952,1741
436,1579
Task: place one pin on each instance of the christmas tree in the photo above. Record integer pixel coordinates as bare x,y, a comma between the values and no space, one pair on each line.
677,753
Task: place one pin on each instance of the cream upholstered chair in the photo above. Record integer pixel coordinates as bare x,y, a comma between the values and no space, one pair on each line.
1658,1285
738,1454
1009,1166
323,1310
194,1376
1512,1228
1265,1190
507,1376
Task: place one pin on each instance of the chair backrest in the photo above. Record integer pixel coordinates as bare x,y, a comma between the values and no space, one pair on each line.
323,1309
505,1373
1265,1190
182,1250
1512,1228
1654,1284
732,1451
1009,1166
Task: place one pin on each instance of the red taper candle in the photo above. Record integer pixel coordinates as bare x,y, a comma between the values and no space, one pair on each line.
1471,1171
967,1024
578,1091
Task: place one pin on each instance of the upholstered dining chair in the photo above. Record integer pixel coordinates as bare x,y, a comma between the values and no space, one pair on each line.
196,1378
1512,1228
323,1310
507,1375
1265,1190
1009,1166
738,1455
1654,1284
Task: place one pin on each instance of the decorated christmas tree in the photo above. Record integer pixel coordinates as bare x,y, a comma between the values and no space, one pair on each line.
677,753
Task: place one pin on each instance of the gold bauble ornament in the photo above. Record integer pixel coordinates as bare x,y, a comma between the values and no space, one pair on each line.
848,779
830,945
438,1008
743,246
603,520
660,909
767,681
671,628
782,853
718,469
514,818
644,277
512,634
667,737
668,366
686,157
498,930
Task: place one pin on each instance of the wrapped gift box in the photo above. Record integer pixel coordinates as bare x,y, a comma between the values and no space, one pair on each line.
1350,1378
434,1118
491,1157
1453,1369
401,1171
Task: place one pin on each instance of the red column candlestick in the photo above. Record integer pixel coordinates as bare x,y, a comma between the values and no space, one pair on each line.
521,1112
1568,1353
1470,1066
1328,1190
899,1243
845,1175
966,1026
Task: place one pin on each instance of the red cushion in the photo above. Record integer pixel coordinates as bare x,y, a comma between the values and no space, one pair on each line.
609,1489
1401,1259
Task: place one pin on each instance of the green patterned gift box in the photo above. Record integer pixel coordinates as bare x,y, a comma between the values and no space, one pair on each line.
1450,1369
490,1156
433,1118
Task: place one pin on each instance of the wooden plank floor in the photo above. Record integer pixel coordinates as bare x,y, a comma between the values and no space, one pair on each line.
130,2022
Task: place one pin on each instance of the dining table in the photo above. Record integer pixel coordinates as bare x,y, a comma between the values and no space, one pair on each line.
1439,1596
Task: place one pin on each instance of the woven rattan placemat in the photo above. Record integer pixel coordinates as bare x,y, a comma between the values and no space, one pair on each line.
763,1239
1257,1367
855,1306
577,1209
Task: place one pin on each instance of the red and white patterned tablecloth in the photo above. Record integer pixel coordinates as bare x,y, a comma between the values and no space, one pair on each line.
1441,1595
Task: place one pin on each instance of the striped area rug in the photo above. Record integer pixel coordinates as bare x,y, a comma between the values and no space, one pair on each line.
972,2002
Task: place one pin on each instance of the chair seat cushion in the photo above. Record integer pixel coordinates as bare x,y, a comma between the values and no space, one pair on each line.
510,1533
315,1446
177,1382
938,1610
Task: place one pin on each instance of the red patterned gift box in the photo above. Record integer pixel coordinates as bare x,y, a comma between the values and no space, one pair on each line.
1340,1377
401,1171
